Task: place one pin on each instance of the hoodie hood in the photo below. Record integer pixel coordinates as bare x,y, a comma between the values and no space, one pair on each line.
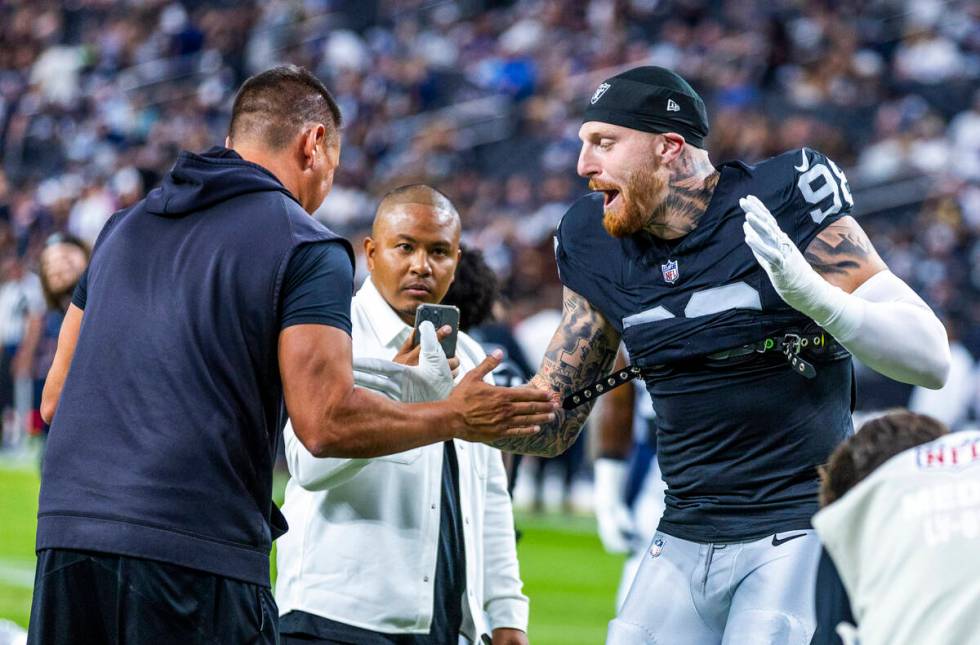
197,182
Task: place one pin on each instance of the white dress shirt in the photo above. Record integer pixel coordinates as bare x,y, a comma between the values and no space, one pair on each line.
364,533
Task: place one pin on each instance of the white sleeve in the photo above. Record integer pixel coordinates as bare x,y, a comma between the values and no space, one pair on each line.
503,601
889,328
315,473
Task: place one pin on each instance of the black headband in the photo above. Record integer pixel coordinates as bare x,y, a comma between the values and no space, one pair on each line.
651,99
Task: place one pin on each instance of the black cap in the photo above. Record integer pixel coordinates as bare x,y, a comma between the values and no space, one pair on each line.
651,99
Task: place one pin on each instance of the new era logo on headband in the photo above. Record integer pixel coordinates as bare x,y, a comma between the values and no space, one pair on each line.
599,91
671,106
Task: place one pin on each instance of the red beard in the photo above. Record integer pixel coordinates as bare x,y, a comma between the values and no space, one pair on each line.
640,202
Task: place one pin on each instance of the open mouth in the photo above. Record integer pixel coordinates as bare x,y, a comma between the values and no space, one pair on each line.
609,196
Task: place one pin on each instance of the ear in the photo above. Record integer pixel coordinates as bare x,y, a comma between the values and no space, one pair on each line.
228,141
369,248
312,141
671,146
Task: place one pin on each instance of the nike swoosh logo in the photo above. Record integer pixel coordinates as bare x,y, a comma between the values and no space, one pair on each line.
803,167
776,541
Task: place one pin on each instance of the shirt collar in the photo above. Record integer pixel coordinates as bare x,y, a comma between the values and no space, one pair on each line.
387,326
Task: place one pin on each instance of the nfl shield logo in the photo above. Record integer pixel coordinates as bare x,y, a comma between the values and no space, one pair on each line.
599,91
670,271
657,548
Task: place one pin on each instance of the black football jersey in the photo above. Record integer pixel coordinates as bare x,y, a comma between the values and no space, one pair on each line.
739,439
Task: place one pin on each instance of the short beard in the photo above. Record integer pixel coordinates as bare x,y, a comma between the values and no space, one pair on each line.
643,203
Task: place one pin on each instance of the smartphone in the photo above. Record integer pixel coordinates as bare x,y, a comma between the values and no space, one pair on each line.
439,315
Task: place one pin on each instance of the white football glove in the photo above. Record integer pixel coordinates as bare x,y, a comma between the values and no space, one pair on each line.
791,275
616,525
430,380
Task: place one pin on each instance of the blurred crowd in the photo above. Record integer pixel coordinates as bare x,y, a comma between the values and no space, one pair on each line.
483,100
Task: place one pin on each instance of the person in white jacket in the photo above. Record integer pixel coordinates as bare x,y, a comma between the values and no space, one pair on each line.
417,547
901,523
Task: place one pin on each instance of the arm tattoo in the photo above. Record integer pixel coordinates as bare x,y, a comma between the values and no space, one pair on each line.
582,349
843,255
841,249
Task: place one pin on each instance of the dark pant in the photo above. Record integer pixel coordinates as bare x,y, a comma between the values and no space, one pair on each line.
82,597
308,639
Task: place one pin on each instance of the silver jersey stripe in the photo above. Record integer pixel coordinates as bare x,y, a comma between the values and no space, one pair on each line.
648,316
731,296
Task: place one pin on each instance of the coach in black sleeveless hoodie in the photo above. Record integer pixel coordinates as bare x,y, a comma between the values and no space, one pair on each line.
204,257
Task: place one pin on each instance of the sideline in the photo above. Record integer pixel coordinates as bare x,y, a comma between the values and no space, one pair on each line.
17,572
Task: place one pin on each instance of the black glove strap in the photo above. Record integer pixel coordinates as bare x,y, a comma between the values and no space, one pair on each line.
603,385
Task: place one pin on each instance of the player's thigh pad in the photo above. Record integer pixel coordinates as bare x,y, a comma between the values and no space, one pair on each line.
773,604
659,609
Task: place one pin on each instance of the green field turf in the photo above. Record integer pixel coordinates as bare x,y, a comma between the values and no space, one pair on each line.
570,580
18,512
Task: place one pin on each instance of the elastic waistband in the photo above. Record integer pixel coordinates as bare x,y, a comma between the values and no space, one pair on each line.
734,534
130,538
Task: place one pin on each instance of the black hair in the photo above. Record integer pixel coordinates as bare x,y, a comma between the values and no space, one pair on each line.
275,105
474,290
876,442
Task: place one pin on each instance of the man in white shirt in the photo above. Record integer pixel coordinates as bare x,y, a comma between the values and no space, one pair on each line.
417,547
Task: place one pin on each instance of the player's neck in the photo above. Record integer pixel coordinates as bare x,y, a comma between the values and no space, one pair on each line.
692,183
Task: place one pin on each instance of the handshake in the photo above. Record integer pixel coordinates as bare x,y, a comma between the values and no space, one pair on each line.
423,373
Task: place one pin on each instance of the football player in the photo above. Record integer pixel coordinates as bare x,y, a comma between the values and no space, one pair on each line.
741,293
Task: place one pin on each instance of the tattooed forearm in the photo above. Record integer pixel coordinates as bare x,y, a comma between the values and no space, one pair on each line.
582,349
843,254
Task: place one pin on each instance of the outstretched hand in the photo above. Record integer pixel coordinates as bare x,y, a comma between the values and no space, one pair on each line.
489,413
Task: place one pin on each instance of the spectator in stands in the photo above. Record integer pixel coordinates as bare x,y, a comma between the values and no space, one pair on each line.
21,314
62,263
